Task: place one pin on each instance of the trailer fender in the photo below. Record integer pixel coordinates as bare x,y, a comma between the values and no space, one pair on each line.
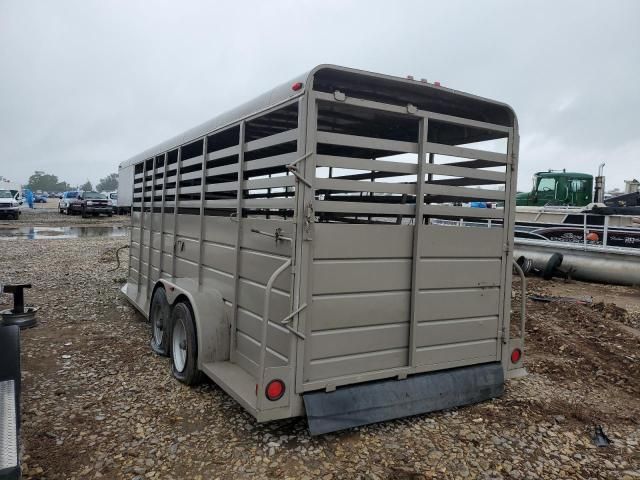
212,323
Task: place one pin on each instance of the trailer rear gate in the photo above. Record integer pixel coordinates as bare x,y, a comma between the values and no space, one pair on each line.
322,232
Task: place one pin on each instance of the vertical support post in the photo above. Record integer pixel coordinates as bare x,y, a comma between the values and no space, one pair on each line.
236,268
203,189
162,208
417,231
144,187
584,229
605,233
176,202
151,215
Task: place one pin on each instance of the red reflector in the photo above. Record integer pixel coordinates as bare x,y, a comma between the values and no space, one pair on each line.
516,355
437,84
275,390
296,86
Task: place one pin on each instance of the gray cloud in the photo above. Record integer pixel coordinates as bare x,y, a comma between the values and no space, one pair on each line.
85,85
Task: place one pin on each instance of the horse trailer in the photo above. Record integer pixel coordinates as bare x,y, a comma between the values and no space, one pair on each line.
299,249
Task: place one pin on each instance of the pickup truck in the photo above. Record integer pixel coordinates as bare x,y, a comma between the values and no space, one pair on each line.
90,203
9,204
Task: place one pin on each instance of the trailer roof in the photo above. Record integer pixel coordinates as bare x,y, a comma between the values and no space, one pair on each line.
330,77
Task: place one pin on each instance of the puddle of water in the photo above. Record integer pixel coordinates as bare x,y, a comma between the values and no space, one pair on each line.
39,233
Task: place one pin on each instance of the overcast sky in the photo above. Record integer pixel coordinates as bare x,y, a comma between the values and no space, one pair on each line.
85,84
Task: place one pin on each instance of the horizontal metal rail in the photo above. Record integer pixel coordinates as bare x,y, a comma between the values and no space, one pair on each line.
463,152
367,142
271,140
366,164
362,186
463,192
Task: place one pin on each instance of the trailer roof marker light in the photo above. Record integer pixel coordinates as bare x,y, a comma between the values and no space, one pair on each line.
275,390
516,355
297,86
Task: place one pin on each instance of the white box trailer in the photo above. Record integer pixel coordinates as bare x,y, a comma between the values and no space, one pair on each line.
296,250
125,188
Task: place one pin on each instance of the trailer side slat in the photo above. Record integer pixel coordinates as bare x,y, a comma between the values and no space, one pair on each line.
367,142
364,186
366,164
493,158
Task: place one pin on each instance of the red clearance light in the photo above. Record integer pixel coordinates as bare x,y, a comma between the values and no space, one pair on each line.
297,86
275,390
516,355
437,84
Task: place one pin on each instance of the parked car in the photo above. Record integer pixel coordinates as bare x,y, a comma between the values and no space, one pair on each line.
9,204
65,200
90,203
40,199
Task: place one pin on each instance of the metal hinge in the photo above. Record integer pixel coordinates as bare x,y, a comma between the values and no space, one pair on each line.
293,168
339,96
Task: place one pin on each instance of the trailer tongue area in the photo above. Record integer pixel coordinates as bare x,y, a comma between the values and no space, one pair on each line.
366,403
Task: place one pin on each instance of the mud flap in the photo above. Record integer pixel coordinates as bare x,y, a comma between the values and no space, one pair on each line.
373,402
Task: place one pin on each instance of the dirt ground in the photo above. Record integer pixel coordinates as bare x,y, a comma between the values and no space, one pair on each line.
98,403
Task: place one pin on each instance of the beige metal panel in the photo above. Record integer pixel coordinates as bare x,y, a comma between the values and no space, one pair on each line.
135,234
188,225
364,207
192,189
221,187
460,212
167,246
185,268
220,230
362,241
354,364
251,297
187,248
189,176
155,239
340,276
155,259
349,341
192,204
268,162
189,162
443,332
230,204
463,152
167,258
225,152
363,186
472,352
271,140
147,221
222,170
441,117
156,219
457,303
258,267
256,241
273,182
246,363
278,339
359,309
453,241
134,250
250,348
219,257
475,173
458,273
366,164
465,192
367,142
217,280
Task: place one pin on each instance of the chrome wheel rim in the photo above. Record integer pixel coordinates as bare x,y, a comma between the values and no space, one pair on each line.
179,350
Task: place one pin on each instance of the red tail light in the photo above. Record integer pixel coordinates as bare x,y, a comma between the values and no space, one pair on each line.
297,86
516,355
274,390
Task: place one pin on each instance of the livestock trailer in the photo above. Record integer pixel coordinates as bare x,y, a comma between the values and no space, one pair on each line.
293,249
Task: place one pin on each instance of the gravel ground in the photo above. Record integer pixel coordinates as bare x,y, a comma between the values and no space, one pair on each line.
98,404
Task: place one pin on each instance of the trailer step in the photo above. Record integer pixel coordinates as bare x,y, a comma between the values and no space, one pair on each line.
383,400
234,380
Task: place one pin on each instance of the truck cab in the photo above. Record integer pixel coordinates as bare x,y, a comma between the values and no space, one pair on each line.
558,188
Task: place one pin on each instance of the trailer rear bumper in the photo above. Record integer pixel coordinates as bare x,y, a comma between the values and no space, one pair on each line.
374,402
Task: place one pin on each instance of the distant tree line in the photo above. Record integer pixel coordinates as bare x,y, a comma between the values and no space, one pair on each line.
50,183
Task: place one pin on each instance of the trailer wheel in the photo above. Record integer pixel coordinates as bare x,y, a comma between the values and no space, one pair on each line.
184,345
553,263
160,318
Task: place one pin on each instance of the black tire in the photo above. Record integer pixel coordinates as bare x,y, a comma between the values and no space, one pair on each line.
109,214
160,319
553,263
182,319
84,213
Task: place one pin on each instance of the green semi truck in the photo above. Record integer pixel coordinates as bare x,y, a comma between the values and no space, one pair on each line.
558,188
